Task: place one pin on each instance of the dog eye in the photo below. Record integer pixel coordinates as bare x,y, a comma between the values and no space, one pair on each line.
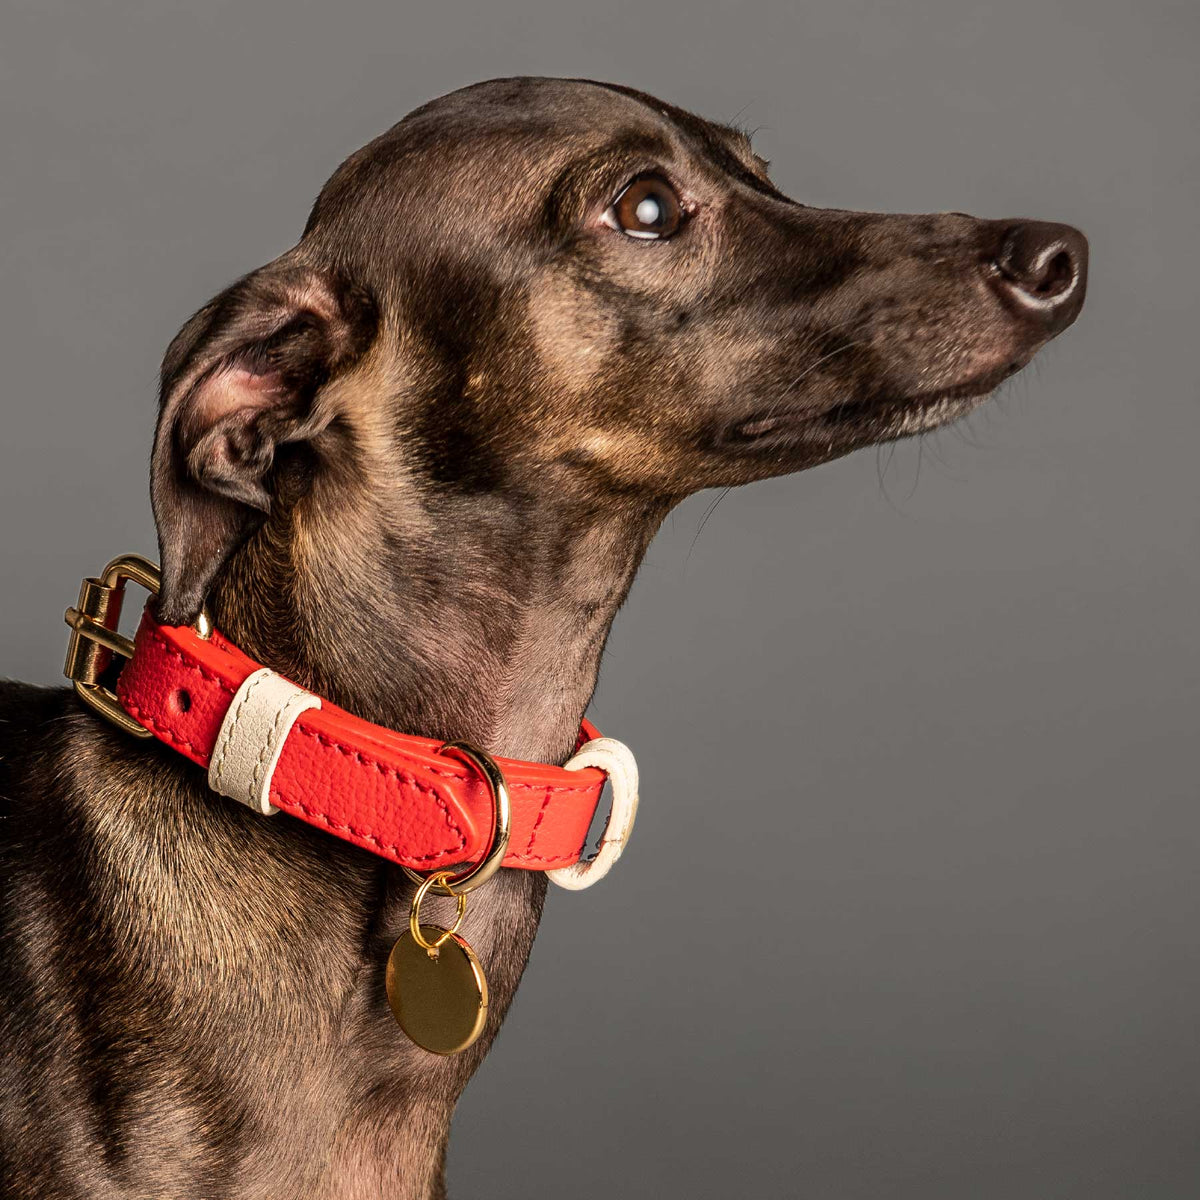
647,208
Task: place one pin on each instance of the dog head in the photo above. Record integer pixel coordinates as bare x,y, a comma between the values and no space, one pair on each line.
556,288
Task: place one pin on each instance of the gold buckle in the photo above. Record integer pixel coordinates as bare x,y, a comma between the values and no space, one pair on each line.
94,636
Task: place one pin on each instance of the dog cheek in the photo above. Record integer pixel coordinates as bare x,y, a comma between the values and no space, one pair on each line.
573,336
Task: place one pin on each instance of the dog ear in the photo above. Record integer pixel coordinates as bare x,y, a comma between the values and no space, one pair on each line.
242,378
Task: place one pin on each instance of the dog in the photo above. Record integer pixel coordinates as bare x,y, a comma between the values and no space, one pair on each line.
413,464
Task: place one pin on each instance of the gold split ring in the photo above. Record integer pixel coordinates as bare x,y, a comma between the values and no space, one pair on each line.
414,914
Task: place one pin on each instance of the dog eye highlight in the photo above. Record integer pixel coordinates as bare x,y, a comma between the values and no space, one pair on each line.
648,207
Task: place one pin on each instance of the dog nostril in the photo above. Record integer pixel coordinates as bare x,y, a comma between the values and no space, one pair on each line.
1060,270
1041,267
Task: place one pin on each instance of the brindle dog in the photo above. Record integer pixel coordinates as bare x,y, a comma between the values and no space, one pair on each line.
413,464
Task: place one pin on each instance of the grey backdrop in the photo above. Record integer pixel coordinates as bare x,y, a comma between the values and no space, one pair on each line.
911,909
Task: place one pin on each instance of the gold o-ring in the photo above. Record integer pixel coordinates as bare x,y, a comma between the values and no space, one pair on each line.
472,877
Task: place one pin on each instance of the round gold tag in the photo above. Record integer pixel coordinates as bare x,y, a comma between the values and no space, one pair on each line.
441,1003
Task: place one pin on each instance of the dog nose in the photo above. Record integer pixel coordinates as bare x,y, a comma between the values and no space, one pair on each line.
1041,269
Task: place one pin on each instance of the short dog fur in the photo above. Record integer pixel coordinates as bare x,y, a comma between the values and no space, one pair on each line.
413,464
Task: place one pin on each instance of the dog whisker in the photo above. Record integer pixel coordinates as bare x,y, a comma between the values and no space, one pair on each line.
712,508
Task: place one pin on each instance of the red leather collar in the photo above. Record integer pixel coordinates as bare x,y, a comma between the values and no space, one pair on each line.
390,793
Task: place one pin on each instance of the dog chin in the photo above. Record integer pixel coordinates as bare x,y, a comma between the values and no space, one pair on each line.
884,419
848,426
907,418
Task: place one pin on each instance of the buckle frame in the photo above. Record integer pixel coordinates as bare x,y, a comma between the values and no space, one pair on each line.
94,637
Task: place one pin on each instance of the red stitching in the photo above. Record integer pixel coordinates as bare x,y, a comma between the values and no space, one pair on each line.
559,859
281,802
583,790
579,789
189,662
169,734
400,776
538,822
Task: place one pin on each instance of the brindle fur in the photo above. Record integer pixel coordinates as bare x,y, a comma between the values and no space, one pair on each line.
413,464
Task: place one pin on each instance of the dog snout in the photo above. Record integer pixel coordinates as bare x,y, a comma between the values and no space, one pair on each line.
1040,270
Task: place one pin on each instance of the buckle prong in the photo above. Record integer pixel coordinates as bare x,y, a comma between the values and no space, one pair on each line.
91,629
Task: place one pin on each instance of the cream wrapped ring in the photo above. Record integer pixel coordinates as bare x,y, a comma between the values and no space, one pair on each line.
616,760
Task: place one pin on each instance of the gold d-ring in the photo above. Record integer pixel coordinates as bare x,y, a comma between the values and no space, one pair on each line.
414,914
468,880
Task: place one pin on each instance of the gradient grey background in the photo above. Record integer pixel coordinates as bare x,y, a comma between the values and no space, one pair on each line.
912,906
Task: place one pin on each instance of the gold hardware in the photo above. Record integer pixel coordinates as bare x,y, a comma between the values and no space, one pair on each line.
471,878
94,636
435,984
414,916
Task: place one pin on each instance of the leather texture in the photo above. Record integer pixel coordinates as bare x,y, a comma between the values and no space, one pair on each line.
390,793
252,737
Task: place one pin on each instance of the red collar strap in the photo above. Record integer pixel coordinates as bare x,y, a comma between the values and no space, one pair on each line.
276,747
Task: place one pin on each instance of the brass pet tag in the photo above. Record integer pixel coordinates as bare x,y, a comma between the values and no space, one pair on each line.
435,984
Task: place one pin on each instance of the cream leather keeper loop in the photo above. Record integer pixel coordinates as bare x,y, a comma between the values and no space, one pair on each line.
616,760
262,714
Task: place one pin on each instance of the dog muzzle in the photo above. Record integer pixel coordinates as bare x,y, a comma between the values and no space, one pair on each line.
449,813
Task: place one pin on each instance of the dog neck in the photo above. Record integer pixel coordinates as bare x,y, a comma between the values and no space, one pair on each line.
450,615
